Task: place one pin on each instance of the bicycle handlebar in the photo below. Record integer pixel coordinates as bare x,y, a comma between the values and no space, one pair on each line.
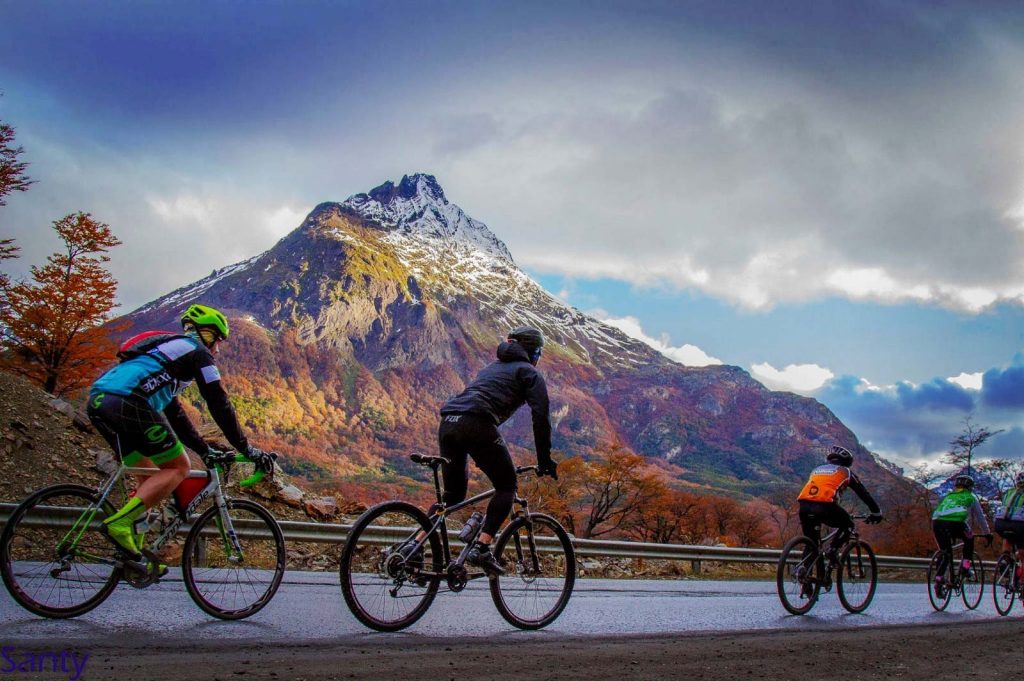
222,459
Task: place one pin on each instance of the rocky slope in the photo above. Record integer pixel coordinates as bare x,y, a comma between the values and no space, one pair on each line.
350,332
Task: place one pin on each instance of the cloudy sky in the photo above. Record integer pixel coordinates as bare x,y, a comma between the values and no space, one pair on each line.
830,195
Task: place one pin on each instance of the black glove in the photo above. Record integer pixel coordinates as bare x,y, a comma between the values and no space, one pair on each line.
214,456
547,467
988,539
874,519
264,460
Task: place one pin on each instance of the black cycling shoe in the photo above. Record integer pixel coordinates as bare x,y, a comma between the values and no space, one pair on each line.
480,555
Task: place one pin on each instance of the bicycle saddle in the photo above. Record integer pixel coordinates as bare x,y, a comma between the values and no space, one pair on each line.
425,460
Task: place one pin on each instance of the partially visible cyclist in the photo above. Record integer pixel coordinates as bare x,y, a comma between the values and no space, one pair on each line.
820,500
952,521
469,427
1010,523
135,407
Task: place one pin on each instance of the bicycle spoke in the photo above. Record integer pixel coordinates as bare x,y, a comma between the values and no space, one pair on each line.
52,583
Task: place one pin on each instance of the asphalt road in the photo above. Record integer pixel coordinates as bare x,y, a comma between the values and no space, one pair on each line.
309,607
612,630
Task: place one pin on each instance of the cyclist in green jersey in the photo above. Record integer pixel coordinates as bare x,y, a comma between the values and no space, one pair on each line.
1010,523
953,519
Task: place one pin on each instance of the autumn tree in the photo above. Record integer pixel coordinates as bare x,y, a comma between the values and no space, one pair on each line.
665,519
52,325
7,251
12,171
963,445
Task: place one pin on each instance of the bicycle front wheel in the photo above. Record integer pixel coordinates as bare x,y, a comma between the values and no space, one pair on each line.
233,566
857,577
795,576
972,583
540,571
54,558
1003,591
383,588
938,593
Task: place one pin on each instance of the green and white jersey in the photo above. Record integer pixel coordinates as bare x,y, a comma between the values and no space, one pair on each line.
1013,504
961,506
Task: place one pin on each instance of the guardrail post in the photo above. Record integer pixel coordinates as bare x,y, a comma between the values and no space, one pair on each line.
695,566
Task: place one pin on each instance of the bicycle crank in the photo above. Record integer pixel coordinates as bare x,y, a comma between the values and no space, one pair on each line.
457,578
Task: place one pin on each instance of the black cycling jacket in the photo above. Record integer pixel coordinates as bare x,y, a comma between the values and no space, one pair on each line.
501,388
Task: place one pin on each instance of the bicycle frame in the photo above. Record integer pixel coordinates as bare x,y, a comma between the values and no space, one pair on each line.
170,526
441,513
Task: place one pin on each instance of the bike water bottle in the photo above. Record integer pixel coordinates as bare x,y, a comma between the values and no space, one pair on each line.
466,535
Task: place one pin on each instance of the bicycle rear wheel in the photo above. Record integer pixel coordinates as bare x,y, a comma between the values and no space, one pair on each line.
54,557
857,576
1003,591
384,590
225,582
972,584
540,571
939,595
796,576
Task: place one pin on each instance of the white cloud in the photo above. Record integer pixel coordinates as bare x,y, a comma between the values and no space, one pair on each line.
799,378
969,381
689,355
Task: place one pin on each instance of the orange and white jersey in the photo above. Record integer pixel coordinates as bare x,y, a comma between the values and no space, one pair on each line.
826,484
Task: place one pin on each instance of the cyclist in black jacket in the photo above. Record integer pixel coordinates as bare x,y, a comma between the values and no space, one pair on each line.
469,426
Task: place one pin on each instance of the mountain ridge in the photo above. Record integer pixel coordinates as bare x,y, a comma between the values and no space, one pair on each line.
399,284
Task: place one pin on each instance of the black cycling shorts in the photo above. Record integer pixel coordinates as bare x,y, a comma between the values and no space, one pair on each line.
133,429
1012,531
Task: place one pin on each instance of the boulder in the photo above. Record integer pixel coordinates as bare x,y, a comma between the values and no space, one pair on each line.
321,508
289,494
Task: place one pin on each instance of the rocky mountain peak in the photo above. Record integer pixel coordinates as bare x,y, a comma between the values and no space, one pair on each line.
417,207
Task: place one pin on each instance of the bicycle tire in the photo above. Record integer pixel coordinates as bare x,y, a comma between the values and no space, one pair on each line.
972,588
540,571
857,576
793,586
371,575
87,569
939,603
216,578
1003,593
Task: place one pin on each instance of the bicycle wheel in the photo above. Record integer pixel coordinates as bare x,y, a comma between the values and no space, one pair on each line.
226,582
939,595
383,590
540,571
1003,591
857,576
54,558
798,575
972,583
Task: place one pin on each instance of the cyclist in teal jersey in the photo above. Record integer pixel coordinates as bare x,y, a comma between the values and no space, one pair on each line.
953,519
1010,523
135,407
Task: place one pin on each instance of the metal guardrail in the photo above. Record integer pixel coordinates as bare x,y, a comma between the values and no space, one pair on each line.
325,533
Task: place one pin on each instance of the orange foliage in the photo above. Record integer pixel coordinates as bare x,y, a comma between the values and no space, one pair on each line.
52,325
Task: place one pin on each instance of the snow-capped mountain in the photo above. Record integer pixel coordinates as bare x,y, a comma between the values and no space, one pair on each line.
355,327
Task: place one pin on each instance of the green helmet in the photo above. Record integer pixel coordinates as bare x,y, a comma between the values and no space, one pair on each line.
202,316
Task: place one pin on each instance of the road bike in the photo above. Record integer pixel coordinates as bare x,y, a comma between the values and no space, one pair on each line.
389,576
803,571
57,561
1006,584
968,583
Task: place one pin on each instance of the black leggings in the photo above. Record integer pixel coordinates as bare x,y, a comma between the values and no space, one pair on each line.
814,514
474,435
946,531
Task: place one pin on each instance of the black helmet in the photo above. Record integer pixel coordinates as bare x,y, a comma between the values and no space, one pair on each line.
840,456
964,480
527,336
1020,479
530,338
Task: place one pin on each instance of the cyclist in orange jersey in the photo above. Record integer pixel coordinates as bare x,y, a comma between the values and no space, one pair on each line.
820,497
